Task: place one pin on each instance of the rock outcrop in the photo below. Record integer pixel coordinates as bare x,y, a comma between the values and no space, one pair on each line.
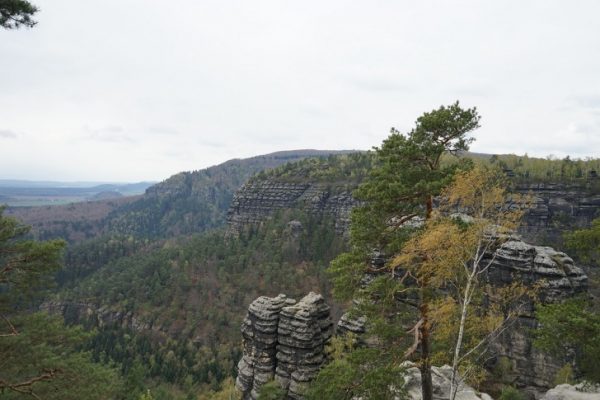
257,201
569,392
259,332
283,340
441,377
304,330
557,206
556,278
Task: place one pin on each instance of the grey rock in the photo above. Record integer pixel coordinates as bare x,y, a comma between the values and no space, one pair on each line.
557,278
349,324
441,384
256,202
569,392
284,340
259,343
557,206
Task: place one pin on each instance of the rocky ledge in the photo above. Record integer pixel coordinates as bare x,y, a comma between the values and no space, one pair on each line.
555,277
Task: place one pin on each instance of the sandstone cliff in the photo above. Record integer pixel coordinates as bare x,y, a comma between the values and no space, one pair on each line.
557,278
557,206
259,200
283,340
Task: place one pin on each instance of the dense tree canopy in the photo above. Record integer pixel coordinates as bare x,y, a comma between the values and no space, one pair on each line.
26,266
40,356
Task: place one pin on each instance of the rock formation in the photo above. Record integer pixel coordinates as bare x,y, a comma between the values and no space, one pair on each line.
557,278
441,384
569,392
259,333
257,201
284,340
557,206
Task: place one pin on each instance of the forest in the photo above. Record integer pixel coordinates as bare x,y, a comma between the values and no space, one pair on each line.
163,315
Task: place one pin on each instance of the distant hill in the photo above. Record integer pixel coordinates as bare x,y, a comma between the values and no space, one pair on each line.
192,202
108,194
21,183
185,203
17,193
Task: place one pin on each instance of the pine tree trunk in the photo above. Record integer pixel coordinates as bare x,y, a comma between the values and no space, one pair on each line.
426,382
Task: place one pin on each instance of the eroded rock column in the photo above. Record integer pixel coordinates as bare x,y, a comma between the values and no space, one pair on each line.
284,340
304,330
259,342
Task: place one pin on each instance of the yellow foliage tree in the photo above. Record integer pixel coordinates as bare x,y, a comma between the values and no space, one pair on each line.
453,253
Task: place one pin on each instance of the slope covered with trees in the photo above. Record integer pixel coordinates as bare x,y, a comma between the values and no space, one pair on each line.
172,314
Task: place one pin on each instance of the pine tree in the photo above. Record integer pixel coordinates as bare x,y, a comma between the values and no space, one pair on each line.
16,13
408,175
40,356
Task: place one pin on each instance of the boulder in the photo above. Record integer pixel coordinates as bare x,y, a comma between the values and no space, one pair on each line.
441,384
570,392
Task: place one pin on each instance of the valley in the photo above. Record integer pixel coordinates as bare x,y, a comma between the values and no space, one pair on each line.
165,278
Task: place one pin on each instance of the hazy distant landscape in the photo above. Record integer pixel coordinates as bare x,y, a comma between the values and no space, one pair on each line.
22,193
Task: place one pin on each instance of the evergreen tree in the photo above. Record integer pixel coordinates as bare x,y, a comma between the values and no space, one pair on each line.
39,354
409,173
26,267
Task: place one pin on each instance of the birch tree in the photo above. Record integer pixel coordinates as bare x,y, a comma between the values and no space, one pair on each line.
453,253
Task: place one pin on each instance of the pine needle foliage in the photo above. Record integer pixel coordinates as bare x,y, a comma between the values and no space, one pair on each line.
407,174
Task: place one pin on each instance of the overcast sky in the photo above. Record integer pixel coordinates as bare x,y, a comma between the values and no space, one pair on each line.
129,90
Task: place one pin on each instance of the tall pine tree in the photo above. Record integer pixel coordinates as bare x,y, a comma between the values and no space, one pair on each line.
401,188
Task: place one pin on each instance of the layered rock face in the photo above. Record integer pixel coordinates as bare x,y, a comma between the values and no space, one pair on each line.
257,201
557,207
284,340
557,278
259,333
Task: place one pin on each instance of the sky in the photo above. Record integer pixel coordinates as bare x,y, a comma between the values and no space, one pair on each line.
131,90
